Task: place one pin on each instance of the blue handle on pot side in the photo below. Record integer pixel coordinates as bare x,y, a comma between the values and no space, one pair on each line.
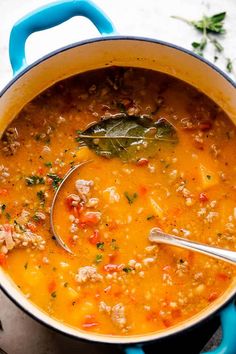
228,343
49,16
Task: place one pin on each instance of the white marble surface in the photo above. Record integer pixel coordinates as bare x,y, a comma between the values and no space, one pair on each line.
150,18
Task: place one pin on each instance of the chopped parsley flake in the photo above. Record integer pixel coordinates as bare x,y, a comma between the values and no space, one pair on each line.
3,207
131,197
34,180
114,245
100,245
55,180
41,196
150,217
127,269
98,258
54,294
36,218
8,216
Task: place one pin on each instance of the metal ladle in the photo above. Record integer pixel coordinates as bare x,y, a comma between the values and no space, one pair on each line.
155,235
55,234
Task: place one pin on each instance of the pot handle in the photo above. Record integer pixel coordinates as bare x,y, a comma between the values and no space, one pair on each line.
49,16
228,324
228,343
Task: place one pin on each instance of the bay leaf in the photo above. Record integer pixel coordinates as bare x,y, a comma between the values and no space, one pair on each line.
128,137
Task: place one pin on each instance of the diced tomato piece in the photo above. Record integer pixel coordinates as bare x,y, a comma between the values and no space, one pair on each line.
40,171
191,257
113,226
151,316
222,276
142,162
82,225
213,296
110,268
68,202
52,286
94,238
77,210
167,322
90,322
31,226
3,191
143,190
3,259
205,126
127,102
7,227
71,241
112,257
88,325
176,313
90,218
203,197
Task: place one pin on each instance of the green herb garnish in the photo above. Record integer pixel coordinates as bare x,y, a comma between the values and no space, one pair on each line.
26,265
54,294
121,107
208,176
34,180
41,196
210,26
127,269
48,164
19,226
100,245
3,208
98,258
214,24
229,65
150,217
131,197
114,245
35,218
8,216
55,180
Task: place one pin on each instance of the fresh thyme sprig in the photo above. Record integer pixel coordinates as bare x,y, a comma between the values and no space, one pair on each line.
208,26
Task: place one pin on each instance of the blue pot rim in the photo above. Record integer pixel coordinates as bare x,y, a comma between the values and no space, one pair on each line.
112,38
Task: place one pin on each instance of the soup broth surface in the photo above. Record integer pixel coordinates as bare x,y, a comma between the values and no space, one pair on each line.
118,282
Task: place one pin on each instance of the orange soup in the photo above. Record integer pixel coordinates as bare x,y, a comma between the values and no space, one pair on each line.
160,154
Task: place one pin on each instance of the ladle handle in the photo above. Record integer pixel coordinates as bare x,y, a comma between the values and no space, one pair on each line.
160,237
